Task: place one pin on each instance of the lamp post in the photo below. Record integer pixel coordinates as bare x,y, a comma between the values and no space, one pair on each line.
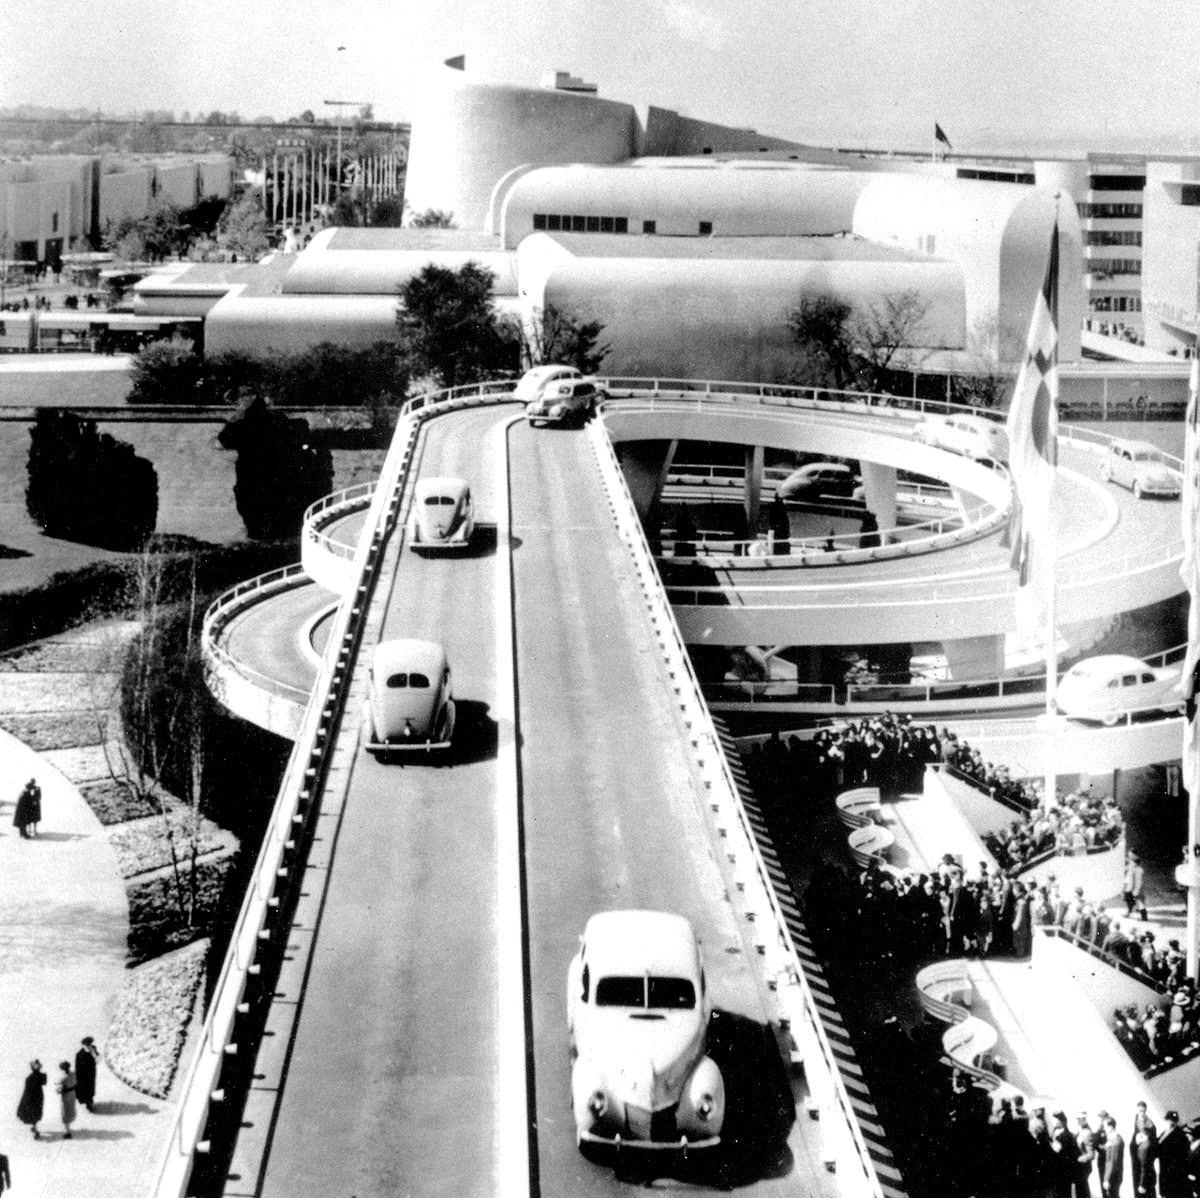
339,105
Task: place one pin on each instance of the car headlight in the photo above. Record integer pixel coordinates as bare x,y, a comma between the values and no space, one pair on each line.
597,1104
705,1105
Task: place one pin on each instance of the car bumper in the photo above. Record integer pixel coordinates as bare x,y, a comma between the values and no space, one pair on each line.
405,746
619,1143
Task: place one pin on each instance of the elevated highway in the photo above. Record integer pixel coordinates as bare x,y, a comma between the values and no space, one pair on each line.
439,902
421,910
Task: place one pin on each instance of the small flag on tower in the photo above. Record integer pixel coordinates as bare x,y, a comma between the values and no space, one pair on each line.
1032,426
939,134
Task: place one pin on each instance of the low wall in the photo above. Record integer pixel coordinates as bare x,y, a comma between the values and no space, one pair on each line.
1101,874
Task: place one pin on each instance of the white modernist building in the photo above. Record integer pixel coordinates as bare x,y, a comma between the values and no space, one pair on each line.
691,242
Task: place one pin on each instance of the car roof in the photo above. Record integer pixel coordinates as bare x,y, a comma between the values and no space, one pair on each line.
1109,663
548,369
425,657
636,942
444,485
1137,446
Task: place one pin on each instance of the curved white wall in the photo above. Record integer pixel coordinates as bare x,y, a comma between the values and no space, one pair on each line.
737,198
293,324
466,135
727,317
382,271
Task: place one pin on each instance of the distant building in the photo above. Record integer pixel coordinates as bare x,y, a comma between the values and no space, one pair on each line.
56,204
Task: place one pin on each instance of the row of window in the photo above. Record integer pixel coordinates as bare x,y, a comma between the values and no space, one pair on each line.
1189,195
995,176
1111,237
1110,211
553,222
1104,267
1115,303
1117,183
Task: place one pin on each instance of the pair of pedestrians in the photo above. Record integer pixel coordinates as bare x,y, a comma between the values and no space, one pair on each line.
74,1086
28,813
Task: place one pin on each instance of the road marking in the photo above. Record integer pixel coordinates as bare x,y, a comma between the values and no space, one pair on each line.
512,1050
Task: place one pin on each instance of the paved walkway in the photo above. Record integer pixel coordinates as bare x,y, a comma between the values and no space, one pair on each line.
63,923
58,363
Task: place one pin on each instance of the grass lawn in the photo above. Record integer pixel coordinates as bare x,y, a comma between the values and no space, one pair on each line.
64,389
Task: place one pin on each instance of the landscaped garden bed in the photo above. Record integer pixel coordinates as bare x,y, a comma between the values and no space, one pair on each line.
113,802
156,922
148,1032
147,844
61,730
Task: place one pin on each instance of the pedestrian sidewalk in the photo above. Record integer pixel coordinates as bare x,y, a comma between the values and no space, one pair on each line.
63,925
62,363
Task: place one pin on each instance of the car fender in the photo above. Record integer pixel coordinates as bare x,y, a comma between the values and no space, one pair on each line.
705,1080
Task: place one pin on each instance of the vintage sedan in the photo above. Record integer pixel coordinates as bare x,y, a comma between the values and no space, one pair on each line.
443,516
410,705
972,436
1112,686
638,1009
534,382
1139,466
564,401
816,479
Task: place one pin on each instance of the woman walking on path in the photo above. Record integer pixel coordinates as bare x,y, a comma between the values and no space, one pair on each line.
85,1072
23,816
35,805
66,1090
33,1100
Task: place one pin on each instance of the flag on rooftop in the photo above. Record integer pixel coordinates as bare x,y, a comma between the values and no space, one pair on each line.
1190,572
939,134
1032,426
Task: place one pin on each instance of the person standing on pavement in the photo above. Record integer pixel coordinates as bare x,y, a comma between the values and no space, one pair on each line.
35,805
1142,1151
1114,1159
23,815
1172,1159
66,1092
33,1098
1135,886
85,1072
1085,1142
5,1175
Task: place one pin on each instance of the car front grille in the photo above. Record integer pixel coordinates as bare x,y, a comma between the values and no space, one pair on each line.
655,1126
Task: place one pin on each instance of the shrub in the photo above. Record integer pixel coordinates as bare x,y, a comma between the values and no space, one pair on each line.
87,486
166,372
154,923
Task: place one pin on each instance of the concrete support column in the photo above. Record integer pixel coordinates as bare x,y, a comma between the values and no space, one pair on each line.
752,488
975,656
879,483
645,465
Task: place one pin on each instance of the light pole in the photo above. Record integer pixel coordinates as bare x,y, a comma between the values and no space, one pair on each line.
339,105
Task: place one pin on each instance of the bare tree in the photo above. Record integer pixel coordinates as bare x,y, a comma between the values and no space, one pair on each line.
993,355
887,338
554,334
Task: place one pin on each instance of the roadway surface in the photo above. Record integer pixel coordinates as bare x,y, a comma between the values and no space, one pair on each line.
392,1082
391,1086
611,819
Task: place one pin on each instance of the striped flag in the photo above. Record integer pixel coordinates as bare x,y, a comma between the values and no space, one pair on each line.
1190,572
1033,459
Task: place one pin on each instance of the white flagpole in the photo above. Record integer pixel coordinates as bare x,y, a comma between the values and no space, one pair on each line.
1050,765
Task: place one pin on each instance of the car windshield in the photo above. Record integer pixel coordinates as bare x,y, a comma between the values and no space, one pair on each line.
648,992
1145,455
407,681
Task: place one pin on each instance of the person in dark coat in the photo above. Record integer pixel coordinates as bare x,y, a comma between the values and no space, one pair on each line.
33,1099
23,815
35,804
5,1175
1143,1145
85,1072
1022,923
1113,1172
1173,1159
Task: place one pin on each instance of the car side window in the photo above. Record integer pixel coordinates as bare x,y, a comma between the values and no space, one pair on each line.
1129,680
1116,682
1147,677
586,980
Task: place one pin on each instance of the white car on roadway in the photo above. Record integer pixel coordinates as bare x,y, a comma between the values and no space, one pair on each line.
410,704
638,1009
972,436
1139,466
443,515
534,382
1109,687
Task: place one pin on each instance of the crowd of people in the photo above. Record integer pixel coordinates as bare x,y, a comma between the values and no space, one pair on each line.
1072,825
42,303
1013,1150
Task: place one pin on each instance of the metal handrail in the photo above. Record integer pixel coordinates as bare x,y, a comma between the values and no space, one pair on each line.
235,600
347,498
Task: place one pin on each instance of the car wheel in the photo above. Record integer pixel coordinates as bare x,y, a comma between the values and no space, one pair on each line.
1137,488
1110,719
1106,472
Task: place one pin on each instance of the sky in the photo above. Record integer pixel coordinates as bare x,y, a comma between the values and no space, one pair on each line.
1120,74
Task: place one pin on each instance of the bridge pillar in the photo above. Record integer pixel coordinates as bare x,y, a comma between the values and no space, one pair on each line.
752,488
645,465
975,656
879,483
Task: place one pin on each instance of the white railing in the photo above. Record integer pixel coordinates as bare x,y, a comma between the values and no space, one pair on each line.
772,935
333,507
231,604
